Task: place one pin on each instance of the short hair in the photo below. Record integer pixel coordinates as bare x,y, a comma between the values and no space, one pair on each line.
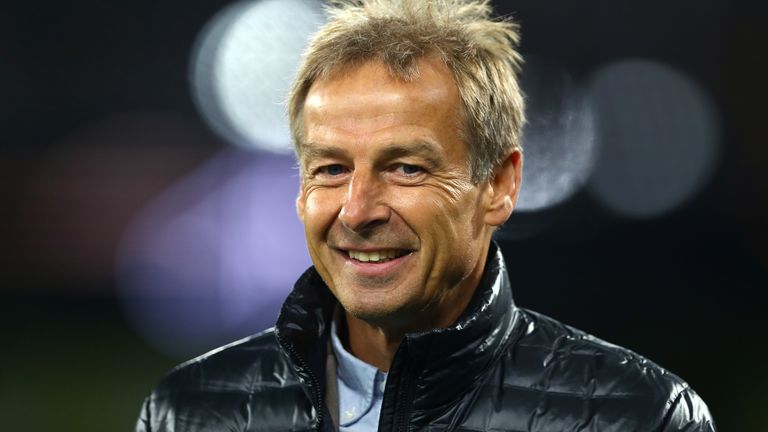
480,51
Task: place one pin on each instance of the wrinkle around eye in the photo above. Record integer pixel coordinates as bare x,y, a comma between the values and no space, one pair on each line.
451,186
310,186
314,181
324,183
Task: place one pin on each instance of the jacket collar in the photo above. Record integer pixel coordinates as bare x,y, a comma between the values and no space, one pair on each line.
479,336
449,362
302,331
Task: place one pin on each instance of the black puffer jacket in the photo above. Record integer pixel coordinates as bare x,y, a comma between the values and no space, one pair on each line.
500,368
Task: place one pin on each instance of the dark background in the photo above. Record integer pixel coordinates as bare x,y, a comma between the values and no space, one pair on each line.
684,289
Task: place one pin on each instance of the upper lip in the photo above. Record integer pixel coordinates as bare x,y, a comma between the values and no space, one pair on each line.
369,249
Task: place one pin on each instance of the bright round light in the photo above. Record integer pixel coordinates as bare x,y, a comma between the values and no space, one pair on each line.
558,140
243,65
658,135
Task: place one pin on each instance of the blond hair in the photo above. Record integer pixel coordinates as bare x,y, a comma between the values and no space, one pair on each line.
481,53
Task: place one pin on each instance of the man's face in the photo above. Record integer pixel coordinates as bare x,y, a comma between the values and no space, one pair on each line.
394,225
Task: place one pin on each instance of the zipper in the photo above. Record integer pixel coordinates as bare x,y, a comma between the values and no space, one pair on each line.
313,381
405,396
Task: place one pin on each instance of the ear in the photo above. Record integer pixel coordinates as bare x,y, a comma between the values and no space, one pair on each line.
503,189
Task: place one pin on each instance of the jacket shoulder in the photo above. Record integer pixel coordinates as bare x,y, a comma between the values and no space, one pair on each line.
566,375
241,366
225,389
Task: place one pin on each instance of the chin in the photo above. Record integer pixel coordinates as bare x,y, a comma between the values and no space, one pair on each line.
371,313
387,314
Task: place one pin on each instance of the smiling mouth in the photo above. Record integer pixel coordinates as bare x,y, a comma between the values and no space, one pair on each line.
380,256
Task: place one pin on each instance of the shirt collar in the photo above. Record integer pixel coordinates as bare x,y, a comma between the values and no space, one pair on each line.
360,382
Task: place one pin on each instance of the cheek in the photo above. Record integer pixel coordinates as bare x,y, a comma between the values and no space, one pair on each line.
452,223
455,214
320,209
435,206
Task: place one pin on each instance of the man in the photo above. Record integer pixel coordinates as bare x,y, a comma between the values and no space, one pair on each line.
406,116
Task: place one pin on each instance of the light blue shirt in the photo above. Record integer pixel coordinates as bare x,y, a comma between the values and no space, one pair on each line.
361,389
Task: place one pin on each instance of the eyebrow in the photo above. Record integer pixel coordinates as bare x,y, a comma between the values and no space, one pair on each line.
317,151
422,149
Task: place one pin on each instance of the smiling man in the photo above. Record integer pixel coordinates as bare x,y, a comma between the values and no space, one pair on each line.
395,225
406,116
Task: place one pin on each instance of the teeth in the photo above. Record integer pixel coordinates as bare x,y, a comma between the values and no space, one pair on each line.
378,256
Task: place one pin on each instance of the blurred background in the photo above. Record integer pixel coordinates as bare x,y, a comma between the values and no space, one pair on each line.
147,187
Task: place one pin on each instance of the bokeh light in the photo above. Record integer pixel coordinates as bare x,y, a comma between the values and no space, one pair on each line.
659,137
242,67
212,259
558,139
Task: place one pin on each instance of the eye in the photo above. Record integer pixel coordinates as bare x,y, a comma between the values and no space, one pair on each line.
332,170
408,170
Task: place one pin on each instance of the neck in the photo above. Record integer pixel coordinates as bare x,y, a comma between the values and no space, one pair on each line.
372,344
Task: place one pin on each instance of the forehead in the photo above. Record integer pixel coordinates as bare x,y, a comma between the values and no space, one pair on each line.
368,99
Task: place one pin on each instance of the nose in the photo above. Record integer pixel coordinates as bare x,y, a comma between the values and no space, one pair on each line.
363,208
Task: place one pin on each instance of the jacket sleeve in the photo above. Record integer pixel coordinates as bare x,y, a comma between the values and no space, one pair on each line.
688,413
